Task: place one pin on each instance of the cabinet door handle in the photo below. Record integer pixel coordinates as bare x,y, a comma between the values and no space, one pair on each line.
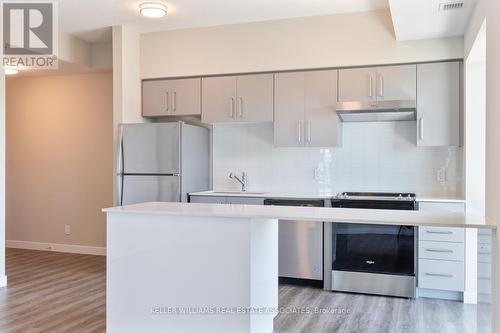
421,128
308,130
166,100
439,251
299,131
241,107
231,107
174,101
440,232
381,86
439,275
370,86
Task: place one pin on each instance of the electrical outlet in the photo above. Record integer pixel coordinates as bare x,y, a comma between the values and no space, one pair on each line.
317,172
67,230
441,176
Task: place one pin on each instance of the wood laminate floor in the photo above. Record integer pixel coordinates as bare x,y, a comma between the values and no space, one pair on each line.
57,292
354,313
53,292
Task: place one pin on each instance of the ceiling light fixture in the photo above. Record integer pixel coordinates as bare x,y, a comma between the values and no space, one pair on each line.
153,9
11,70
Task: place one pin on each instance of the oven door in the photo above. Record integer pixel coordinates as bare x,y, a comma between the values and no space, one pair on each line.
369,248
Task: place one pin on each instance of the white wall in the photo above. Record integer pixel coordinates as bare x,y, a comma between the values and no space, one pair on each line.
314,42
3,278
475,125
374,157
489,9
126,84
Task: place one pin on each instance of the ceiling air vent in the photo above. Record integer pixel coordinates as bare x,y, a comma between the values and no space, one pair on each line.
451,5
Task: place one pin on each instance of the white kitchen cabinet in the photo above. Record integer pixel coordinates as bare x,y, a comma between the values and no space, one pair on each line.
245,201
176,97
378,83
357,84
441,275
323,127
207,199
219,99
226,200
441,255
438,104
397,82
289,110
243,98
155,98
304,110
441,234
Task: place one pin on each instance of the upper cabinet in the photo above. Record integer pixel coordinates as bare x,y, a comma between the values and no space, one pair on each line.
378,83
243,98
438,104
304,110
173,97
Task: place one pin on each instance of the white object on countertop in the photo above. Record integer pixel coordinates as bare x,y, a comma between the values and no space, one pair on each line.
342,215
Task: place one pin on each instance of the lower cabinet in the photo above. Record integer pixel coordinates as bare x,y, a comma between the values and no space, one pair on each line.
207,199
441,274
226,200
441,256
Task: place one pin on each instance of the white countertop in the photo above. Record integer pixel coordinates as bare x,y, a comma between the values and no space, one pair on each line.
440,199
342,215
270,195
310,195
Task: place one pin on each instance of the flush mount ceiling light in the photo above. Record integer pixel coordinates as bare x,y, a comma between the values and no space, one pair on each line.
11,70
153,9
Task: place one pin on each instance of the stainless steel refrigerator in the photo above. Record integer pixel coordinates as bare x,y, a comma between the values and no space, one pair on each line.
162,162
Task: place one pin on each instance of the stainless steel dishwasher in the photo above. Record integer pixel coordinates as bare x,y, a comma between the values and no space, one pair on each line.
300,258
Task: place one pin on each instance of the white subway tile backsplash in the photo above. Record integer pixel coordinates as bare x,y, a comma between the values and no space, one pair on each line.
374,157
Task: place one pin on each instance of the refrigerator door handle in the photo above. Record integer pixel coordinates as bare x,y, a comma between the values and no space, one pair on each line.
119,189
119,168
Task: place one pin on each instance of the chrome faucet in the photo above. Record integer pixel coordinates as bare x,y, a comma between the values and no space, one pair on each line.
242,181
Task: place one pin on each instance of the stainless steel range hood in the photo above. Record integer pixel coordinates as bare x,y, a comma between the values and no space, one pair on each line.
377,111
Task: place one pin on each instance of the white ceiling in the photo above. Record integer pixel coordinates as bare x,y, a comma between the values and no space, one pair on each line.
422,19
87,18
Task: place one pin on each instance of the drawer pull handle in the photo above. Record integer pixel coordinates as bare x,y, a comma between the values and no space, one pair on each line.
440,275
440,232
439,251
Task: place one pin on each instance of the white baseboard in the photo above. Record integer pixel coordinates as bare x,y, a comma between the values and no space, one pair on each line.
441,294
3,281
66,248
470,297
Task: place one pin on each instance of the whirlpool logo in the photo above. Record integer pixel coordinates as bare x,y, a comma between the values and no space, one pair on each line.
30,34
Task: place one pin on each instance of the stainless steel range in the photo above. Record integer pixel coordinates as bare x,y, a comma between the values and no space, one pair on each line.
374,259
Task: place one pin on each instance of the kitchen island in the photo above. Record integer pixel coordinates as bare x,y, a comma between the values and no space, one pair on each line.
179,267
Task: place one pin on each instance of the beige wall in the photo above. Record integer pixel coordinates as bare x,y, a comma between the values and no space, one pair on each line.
59,158
314,42
489,9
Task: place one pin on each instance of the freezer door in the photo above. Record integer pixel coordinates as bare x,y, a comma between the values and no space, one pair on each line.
150,148
137,189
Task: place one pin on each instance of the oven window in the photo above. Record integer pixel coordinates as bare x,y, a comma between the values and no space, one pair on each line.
373,248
